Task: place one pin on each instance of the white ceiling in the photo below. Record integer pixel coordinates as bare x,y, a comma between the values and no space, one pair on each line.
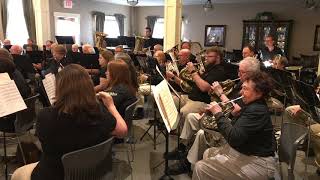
188,2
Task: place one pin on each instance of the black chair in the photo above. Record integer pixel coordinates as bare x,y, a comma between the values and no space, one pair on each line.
23,122
92,163
129,120
292,135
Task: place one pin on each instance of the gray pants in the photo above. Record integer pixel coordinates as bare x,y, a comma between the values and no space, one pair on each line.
226,163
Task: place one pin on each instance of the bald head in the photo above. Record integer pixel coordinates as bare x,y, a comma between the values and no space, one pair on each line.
16,49
6,42
184,55
157,47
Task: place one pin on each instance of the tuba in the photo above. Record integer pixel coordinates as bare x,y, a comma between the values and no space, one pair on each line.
139,43
100,40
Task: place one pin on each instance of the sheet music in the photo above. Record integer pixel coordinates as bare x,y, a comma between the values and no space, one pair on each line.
49,83
174,91
10,98
165,103
4,77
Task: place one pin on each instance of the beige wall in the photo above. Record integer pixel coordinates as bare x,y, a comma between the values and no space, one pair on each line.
84,8
232,15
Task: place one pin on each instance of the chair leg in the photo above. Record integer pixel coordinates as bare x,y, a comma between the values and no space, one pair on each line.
5,156
22,153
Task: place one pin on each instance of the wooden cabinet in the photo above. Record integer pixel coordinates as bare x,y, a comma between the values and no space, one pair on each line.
255,31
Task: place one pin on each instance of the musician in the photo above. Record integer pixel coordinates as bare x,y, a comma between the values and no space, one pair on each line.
118,49
270,50
76,121
30,46
119,86
191,150
295,114
157,47
104,58
22,62
88,49
187,45
251,146
248,51
75,48
7,44
149,39
47,48
280,63
57,62
214,71
7,66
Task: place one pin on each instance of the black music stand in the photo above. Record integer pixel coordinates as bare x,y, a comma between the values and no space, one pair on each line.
65,39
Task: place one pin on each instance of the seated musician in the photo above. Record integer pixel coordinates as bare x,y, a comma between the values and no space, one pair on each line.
249,153
120,86
187,45
48,48
7,66
118,49
104,58
279,62
7,44
76,121
191,150
248,51
270,50
30,46
295,114
57,62
22,62
157,47
198,98
75,48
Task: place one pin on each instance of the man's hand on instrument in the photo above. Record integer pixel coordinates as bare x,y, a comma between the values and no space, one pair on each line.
216,88
294,110
169,75
190,67
214,108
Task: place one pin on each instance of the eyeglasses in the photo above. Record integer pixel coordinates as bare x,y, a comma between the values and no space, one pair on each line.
210,56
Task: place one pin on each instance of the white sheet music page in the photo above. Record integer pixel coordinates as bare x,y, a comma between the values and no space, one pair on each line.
4,77
165,103
11,100
49,83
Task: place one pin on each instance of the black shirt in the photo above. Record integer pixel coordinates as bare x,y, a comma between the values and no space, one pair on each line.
23,64
212,73
269,55
63,133
251,133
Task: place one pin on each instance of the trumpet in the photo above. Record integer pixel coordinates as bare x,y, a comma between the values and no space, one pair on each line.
227,87
209,122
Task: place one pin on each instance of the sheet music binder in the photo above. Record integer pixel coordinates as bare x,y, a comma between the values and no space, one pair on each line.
11,100
50,87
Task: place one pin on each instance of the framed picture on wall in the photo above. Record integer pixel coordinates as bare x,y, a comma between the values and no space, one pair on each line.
316,44
215,35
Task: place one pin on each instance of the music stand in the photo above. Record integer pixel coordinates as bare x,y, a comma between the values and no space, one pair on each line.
65,39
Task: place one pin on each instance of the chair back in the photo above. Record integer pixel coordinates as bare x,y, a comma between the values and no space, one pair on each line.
291,136
129,113
92,163
25,118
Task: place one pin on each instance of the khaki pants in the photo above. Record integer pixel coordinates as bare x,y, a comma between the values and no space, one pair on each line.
303,118
24,172
227,163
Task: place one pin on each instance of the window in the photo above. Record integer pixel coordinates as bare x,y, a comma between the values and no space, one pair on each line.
158,30
17,31
111,27
67,24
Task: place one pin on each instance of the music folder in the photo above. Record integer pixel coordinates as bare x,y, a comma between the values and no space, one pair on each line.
11,100
50,87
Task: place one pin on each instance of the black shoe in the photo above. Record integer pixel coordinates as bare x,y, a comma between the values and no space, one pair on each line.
139,114
176,154
180,167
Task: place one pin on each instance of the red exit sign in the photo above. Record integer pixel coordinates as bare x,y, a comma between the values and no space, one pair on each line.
67,4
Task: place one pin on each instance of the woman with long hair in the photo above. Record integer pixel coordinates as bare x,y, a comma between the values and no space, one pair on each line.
75,121
104,58
120,86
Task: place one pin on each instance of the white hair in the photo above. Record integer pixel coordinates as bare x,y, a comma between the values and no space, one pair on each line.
252,64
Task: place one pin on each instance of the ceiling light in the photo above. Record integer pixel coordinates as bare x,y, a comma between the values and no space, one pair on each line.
132,2
208,6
